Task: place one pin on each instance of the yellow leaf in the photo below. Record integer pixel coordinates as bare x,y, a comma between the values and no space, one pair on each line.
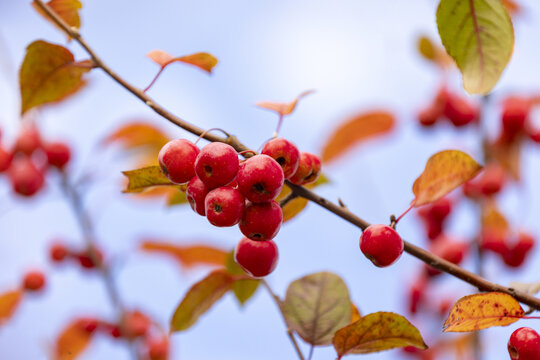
67,10
481,311
188,255
433,52
141,179
283,108
355,313
8,304
73,340
511,6
138,134
356,129
202,60
444,171
492,218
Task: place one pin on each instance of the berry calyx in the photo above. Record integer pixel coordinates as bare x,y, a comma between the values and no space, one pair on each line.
25,177
524,344
34,281
196,192
216,165
260,179
261,221
257,258
285,153
58,154
177,160
381,244
224,206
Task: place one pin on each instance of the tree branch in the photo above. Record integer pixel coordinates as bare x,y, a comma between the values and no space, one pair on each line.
425,256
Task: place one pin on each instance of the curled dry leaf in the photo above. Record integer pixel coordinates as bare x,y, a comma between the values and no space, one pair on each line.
199,298
202,60
72,341
481,311
355,130
529,288
67,10
187,255
49,73
316,306
8,304
444,171
479,36
283,108
377,332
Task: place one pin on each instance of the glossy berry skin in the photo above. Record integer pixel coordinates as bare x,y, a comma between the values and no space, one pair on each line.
285,153
305,167
381,244
58,252
257,258
58,154
27,141
34,281
514,116
316,167
524,344
25,177
177,160
196,192
261,221
216,165
460,111
260,178
224,206
5,159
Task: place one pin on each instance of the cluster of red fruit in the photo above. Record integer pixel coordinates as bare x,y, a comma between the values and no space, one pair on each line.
27,161
59,252
524,344
450,106
229,191
515,120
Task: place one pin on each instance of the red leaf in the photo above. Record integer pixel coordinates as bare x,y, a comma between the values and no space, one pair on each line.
190,255
202,60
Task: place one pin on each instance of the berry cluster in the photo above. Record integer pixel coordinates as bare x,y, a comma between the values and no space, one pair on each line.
28,160
513,251
86,258
231,192
450,106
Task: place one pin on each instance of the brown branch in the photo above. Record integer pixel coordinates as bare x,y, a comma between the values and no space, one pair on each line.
427,257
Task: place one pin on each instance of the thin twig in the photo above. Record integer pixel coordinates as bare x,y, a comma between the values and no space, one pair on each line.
287,199
423,255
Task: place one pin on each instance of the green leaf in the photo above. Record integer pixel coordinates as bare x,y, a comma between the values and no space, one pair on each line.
377,332
143,178
49,74
479,36
243,289
316,306
200,298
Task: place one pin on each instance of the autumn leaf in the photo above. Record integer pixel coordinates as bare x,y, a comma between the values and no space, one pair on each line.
202,60
295,206
316,306
508,155
49,74
481,311
199,298
511,6
283,108
492,218
243,289
479,36
187,255
355,130
67,10
433,52
355,313
8,304
141,179
137,134
377,332
444,171
72,341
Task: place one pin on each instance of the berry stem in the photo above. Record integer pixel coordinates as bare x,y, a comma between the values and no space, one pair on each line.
213,129
154,79
405,212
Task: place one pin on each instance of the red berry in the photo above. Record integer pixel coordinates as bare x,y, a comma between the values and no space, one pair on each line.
28,140
216,165
524,344
492,180
305,167
417,293
261,221
260,179
5,159
460,111
429,116
158,348
450,250
58,252
315,169
88,325
516,255
58,154
381,244
285,153
25,177
135,324
224,206
177,160
34,281
257,258
87,261
514,116
493,240
196,192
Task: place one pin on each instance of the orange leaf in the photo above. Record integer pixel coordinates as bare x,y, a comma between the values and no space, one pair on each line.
68,10
511,6
72,341
355,313
508,155
433,52
49,74
283,108
294,207
356,129
444,171
188,256
202,60
481,311
137,134
8,304
493,219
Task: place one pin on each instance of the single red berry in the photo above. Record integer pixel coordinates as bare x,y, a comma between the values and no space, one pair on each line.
261,221
196,192
257,258
25,177
381,244
305,167
460,111
5,159
448,249
315,170
492,180
524,344
224,206
158,348
28,140
285,153
493,240
260,179
216,165
34,281
87,261
58,252
440,209
471,189
515,255
428,117
514,116
417,293
135,324
58,154
177,160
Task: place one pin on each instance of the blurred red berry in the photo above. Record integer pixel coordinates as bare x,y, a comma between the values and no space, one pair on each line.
58,154
34,280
